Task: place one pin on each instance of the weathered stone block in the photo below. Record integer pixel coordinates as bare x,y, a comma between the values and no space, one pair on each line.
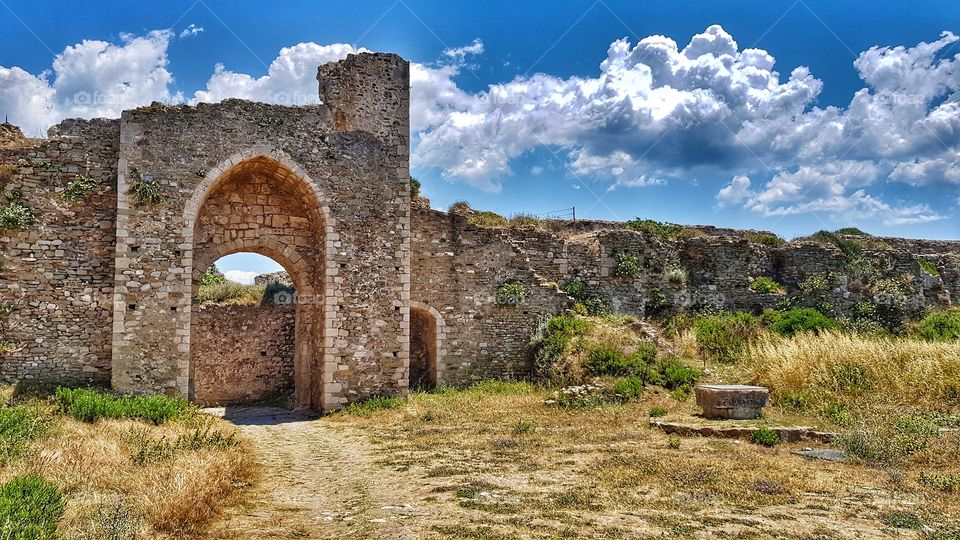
731,401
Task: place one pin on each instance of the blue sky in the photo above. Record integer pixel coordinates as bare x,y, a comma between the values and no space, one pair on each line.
671,130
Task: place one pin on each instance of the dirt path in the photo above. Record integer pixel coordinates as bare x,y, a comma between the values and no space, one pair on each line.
320,481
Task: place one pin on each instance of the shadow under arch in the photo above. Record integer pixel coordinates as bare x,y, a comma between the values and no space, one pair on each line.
261,201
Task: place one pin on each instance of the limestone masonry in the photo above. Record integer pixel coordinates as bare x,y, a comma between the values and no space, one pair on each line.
109,224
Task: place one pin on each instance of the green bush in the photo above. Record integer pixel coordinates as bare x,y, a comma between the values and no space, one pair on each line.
30,509
675,374
666,231
18,426
608,361
415,186
723,337
765,436
595,306
229,292
212,276
486,218
629,387
144,191
765,285
850,249
89,405
657,412
928,267
78,188
626,265
794,321
940,326
764,238
946,482
511,293
853,231
16,215
887,441
372,405
552,343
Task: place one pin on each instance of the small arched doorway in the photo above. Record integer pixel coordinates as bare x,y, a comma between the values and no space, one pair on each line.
243,333
262,204
426,347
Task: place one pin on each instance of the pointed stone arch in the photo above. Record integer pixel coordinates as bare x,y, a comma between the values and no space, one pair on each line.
300,239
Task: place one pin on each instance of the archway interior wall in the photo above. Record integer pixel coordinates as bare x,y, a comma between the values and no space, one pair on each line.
361,182
247,353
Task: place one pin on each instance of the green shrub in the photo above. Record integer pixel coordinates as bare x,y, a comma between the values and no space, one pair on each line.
947,482
656,301
89,405
511,293
30,509
853,231
212,276
723,337
665,231
940,326
626,265
486,218
928,267
675,374
901,519
16,215
372,405
78,188
674,442
765,436
838,414
765,285
793,321
886,441
145,191
18,426
551,344
608,361
657,412
850,249
764,238
595,306
629,387
522,426
230,293
415,186
676,274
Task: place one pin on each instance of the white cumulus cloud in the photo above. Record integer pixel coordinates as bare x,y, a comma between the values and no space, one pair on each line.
241,276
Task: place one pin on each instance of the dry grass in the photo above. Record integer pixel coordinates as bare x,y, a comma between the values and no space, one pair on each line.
603,473
838,368
110,495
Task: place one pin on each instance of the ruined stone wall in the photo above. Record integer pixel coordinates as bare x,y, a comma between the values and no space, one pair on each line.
357,179
242,353
715,267
57,273
456,270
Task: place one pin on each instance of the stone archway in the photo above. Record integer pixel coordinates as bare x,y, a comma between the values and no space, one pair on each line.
427,334
260,201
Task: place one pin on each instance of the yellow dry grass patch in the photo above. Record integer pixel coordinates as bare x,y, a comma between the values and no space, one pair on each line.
110,496
832,367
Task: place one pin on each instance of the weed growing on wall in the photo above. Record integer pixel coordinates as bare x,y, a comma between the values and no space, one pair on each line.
626,265
16,215
78,188
144,190
764,238
657,229
928,267
765,285
511,293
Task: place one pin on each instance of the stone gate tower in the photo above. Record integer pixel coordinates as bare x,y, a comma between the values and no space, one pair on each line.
323,190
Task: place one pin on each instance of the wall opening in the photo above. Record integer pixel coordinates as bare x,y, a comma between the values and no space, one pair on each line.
423,349
243,332
264,206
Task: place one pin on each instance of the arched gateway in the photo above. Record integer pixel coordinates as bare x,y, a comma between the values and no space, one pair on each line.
323,190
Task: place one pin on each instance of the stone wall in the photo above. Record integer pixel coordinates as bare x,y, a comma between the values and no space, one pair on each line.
242,353
457,269
57,274
353,179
